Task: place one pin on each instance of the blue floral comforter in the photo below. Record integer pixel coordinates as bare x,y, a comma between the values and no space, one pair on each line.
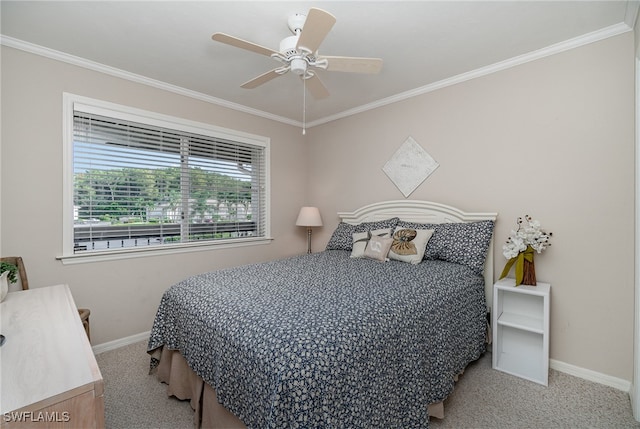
324,340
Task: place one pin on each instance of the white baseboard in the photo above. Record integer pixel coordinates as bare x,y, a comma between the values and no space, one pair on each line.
116,344
589,375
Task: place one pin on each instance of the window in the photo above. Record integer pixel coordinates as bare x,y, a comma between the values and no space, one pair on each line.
142,181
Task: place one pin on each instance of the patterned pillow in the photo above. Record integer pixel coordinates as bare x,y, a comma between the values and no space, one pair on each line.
409,244
342,237
417,225
378,248
462,243
360,240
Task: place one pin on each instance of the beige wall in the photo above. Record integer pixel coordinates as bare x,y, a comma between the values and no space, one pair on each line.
637,34
553,138
122,295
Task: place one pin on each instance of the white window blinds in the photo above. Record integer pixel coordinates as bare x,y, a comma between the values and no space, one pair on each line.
137,185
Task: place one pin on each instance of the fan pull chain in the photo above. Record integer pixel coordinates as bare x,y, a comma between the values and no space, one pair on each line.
304,106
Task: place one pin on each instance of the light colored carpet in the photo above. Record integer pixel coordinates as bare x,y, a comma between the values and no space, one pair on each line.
486,398
133,398
483,398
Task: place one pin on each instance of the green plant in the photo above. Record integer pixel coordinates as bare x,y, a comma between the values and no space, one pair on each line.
13,271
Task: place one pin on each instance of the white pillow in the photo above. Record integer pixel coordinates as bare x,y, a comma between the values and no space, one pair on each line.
360,240
378,248
409,244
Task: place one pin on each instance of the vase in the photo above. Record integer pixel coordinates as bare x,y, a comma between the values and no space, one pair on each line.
525,268
4,285
529,272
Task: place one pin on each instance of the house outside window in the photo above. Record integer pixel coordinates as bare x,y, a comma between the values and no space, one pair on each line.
138,181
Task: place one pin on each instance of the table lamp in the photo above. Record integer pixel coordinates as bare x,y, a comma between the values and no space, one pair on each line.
309,216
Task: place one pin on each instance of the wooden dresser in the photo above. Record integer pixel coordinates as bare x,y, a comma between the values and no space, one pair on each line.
49,377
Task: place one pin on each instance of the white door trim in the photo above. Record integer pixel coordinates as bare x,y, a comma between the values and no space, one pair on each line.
635,389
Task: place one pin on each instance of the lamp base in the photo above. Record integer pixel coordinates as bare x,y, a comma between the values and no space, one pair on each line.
308,240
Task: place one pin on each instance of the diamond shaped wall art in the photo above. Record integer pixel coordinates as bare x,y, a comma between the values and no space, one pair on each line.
409,166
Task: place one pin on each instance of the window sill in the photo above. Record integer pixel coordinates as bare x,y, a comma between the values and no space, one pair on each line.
113,255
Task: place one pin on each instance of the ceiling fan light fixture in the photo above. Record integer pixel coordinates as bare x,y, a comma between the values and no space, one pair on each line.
290,54
298,66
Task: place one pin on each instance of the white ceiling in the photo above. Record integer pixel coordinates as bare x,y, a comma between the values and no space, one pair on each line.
424,44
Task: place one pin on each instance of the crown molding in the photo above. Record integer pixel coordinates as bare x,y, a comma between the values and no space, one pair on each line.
611,31
576,42
112,71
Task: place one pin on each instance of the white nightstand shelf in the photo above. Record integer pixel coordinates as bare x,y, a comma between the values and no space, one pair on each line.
521,330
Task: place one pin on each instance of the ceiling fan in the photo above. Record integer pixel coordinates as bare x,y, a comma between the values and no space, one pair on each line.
299,53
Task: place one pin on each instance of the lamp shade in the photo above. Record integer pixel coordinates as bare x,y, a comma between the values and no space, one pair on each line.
309,216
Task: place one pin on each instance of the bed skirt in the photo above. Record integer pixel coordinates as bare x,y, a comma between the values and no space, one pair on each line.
185,384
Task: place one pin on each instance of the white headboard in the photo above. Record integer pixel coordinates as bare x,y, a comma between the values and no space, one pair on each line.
425,212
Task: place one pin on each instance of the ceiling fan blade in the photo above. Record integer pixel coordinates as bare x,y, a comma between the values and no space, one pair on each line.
316,27
316,87
353,64
243,44
263,78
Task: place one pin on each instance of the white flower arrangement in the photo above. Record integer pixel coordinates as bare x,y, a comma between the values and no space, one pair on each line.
528,233
520,247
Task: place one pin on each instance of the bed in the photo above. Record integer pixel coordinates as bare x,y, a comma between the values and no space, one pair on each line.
334,338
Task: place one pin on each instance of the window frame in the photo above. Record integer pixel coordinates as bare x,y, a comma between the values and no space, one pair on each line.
71,103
